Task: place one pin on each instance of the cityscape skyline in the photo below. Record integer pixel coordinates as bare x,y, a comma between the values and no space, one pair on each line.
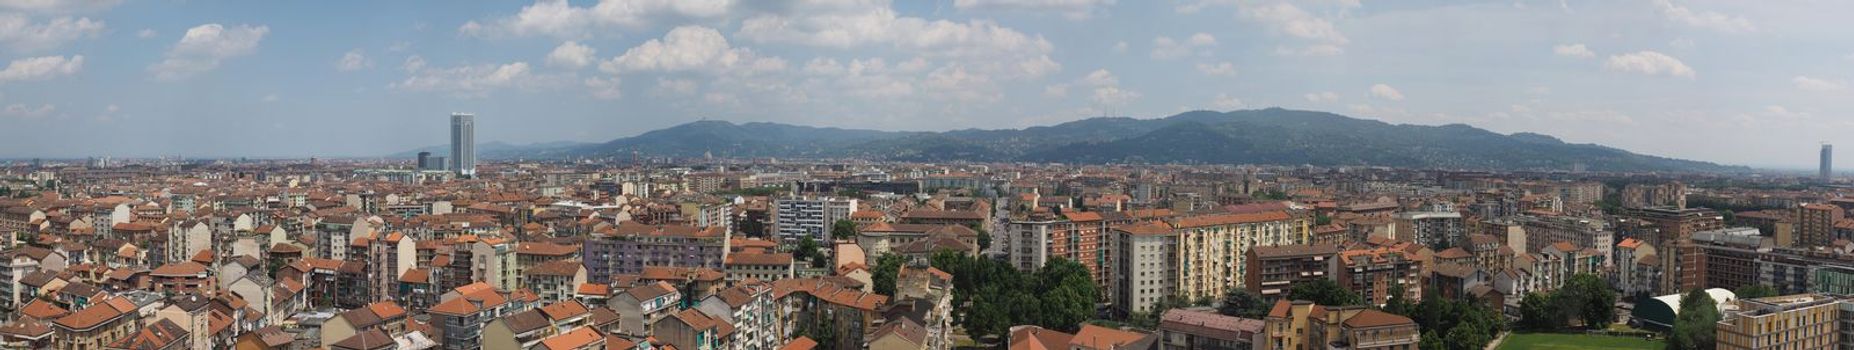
1655,77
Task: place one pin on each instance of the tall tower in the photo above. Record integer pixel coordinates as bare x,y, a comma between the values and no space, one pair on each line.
463,144
1828,162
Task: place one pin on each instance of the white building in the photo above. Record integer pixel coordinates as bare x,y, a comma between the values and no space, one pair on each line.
797,217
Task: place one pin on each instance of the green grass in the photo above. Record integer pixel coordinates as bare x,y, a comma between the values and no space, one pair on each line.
1552,341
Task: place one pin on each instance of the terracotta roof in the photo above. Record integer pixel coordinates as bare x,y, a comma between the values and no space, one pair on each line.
416,275
180,269
44,310
582,337
1374,318
1209,323
1038,338
369,340
1103,338
1152,228
800,343
159,335
564,310
89,317
1454,253
594,289
1082,216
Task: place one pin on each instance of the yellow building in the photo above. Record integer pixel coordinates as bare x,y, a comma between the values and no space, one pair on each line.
1211,248
1802,321
1305,325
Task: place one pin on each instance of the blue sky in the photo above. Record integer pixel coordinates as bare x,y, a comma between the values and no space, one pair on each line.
1756,83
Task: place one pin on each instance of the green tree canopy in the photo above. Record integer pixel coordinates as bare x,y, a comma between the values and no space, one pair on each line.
1696,325
1755,291
843,229
1242,303
1325,292
887,269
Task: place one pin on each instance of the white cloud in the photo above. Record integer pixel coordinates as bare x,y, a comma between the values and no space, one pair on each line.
1100,77
955,83
476,80
1165,48
1386,92
1814,84
876,78
18,110
1649,63
1283,18
1224,69
1106,88
1573,50
204,47
23,34
413,63
604,88
271,98
146,33
1224,101
978,46
559,18
676,86
691,48
1323,97
1704,19
352,61
571,54
1073,9
1121,47
41,68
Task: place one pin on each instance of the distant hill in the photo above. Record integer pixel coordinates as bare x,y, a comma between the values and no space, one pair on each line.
1265,136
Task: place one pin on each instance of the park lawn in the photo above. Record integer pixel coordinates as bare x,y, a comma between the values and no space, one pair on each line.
1551,341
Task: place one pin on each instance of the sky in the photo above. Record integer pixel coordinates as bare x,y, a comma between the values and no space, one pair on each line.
1758,83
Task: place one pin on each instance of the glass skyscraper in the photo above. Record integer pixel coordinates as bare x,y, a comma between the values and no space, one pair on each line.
463,144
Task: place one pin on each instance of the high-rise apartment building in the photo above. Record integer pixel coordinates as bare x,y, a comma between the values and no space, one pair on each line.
463,144
1815,224
1828,162
797,217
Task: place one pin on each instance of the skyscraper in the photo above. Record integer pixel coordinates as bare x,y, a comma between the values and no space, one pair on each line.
424,160
1828,162
463,144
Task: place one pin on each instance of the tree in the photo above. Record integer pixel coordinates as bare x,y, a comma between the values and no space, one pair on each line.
1325,292
1068,294
1695,326
984,240
1455,324
887,269
1397,304
808,250
1536,312
843,229
1242,303
1588,298
1755,291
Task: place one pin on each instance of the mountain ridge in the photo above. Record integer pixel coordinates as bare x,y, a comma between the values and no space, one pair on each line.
1258,136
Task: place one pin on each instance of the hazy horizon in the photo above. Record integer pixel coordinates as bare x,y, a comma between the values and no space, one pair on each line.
1739,83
